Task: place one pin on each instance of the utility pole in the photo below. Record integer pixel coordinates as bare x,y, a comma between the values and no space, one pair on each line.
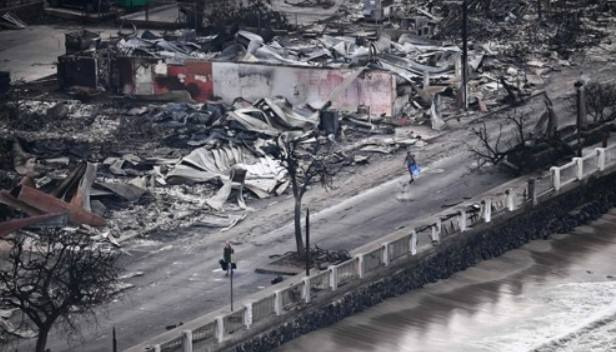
231,281
307,242
147,11
464,55
115,342
581,113
199,8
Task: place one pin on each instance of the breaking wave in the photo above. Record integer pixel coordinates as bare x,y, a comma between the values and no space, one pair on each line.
596,334
568,317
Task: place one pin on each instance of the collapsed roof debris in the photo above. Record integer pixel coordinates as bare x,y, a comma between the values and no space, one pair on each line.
170,165
232,91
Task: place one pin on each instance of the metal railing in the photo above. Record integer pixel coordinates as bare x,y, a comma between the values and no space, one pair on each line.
610,154
348,271
590,164
205,336
544,183
373,260
263,308
319,284
292,297
398,248
568,172
233,322
172,345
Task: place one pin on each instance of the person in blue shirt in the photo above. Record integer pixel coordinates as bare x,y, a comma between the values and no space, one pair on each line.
411,166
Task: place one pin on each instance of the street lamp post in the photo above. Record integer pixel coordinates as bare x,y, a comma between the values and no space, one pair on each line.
231,281
307,242
464,55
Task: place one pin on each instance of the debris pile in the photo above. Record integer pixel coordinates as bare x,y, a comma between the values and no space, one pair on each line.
160,167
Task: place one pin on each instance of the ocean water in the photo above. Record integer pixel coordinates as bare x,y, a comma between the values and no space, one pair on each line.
548,296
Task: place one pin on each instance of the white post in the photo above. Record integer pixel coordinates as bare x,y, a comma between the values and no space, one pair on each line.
360,266
510,199
220,329
333,277
248,315
426,81
435,235
580,168
385,254
439,225
307,289
487,211
187,340
600,158
156,348
278,303
462,220
413,242
555,177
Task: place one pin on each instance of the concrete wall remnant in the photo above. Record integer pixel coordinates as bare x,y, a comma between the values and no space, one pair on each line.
194,76
77,71
304,85
204,80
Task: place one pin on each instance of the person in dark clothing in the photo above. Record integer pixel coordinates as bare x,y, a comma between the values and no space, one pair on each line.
411,166
226,262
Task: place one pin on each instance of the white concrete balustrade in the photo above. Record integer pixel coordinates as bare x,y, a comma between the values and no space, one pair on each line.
378,258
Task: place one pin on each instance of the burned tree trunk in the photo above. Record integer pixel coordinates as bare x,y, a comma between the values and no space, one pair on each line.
305,164
291,166
41,339
299,242
51,276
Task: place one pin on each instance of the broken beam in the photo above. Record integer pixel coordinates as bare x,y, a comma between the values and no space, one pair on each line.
17,224
50,204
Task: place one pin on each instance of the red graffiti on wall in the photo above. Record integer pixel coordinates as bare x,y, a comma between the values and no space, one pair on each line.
195,77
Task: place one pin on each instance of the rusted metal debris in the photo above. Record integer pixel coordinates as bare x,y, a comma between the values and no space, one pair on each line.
68,203
47,203
52,220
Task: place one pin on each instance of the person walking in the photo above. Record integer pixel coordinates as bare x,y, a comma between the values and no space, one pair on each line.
226,262
411,166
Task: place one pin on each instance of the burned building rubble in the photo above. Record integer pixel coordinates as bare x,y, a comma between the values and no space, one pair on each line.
155,133
189,110
162,166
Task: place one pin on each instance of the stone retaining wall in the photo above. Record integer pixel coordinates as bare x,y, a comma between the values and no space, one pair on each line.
560,214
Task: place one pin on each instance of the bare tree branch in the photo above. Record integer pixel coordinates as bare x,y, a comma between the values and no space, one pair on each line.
51,276
306,159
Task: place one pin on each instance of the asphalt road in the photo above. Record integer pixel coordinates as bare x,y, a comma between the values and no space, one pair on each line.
182,281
